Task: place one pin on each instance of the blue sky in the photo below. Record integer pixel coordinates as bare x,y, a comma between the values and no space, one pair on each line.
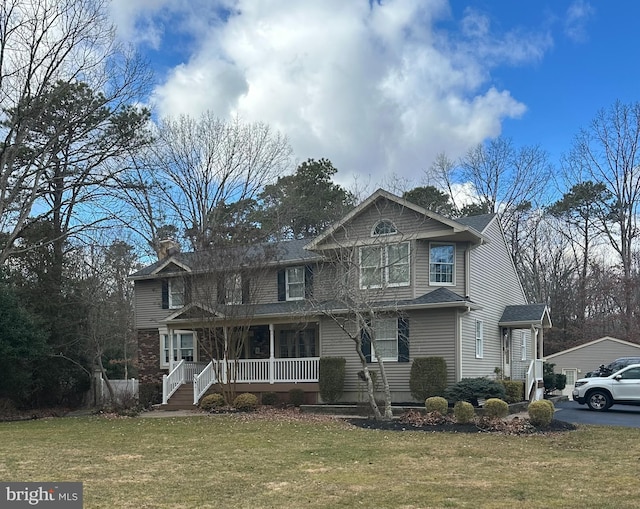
382,88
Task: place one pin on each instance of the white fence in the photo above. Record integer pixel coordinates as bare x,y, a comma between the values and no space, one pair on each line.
124,390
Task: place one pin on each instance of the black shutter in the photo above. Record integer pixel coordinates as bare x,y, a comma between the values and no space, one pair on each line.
187,290
282,291
308,282
245,289
165,294
220,290
366,343
403,339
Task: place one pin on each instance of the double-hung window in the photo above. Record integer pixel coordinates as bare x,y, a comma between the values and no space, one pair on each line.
479,339
385,331
176,293
233,289
441,264
384,265
182,344
294,283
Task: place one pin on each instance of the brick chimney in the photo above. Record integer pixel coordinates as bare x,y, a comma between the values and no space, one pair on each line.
167,247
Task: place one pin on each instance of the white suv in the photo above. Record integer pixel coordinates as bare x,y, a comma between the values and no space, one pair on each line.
599,393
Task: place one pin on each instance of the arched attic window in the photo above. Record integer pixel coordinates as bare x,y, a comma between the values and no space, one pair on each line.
383,227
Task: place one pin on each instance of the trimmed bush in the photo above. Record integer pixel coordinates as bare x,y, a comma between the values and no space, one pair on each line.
464,412
331,377
436,404
550,403
472,389
540,413
428,377
514,391
296,397
495,408
212,401
269,398
150,394
245,402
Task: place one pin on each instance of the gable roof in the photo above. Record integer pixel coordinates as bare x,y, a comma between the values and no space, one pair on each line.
525,315
285,252
472,234
478,223
594,342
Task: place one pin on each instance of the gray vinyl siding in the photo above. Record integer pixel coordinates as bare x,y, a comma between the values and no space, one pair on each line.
148,304
588,357
494,284
431,334
421,263
406,221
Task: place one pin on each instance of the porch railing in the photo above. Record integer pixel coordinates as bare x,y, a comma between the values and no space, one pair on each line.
534,373
172,381
255,371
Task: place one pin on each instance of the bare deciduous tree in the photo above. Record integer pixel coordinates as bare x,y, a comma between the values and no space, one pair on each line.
46,44
200,166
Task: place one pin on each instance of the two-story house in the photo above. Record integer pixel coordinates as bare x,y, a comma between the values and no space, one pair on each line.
262,317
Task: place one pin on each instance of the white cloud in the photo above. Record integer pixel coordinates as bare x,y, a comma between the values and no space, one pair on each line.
575,24
374,88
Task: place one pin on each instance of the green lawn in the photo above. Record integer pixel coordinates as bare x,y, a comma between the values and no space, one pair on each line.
247,462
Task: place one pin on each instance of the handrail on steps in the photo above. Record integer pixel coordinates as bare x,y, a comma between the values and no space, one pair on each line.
202,381
172,381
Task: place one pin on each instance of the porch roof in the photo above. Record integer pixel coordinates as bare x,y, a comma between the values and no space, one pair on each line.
526,315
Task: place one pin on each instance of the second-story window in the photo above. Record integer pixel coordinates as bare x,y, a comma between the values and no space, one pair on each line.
176,293
294,283
233,289
441,264
384,265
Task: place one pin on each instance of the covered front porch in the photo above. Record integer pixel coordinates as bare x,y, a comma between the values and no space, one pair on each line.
257,356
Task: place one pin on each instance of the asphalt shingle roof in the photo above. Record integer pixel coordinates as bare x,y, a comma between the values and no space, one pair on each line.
523,313
478,223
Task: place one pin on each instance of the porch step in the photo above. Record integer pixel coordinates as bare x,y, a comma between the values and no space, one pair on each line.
182,399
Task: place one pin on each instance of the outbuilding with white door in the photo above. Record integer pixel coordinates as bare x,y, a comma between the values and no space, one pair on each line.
576,362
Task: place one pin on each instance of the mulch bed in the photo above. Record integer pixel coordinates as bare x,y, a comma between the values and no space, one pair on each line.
439,424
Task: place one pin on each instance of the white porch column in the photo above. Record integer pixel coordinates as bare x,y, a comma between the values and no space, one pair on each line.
272,343
541,343
172,347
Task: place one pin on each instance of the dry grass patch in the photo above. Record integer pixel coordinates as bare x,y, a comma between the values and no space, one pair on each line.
269,460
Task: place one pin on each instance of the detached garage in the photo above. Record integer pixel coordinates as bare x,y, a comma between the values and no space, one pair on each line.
576,362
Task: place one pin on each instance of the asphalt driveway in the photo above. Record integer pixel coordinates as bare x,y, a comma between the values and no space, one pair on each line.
618,415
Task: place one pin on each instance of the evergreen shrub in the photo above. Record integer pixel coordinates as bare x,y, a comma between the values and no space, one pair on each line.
514,390
472,389
464,412
436,404
540,413
428,377
495,408
331,377
296,397
212,401
245,402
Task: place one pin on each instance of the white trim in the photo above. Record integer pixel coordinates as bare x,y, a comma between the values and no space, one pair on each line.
524,338
479,338
168,262
166,333
396,338
286,282
385,266
389,221
170,282
453,271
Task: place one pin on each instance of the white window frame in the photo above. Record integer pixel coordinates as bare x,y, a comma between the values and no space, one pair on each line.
384,266
453,265
288,283
524,339
233,289
392,231
173,284
392,338
479,333
165,360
